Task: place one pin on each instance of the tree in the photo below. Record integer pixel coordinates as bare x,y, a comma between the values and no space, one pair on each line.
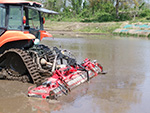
77,5
117,8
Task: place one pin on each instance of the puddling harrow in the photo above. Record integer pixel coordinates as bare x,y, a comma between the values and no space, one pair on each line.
65,78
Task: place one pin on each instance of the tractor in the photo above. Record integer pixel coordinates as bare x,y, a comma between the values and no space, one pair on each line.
55,71
21,29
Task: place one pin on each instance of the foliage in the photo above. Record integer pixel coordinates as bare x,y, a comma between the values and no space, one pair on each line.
144,13
97,10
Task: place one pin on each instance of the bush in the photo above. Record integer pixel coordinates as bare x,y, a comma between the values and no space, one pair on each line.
85,13
103,17
124,16
144,13
107,7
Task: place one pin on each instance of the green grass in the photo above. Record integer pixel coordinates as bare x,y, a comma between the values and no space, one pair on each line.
105,28
128,34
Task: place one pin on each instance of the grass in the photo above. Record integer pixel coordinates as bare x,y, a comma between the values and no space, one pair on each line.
100,28
128,34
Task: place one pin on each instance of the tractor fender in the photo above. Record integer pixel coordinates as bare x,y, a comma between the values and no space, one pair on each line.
44,34
10,36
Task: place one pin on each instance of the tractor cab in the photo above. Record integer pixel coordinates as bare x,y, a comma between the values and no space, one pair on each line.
22,16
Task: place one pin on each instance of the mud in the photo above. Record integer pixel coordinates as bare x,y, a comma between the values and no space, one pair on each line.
124,89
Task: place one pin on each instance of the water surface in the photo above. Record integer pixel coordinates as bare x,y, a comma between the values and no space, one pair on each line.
124,89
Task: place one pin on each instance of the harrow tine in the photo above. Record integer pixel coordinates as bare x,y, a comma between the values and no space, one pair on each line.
103,72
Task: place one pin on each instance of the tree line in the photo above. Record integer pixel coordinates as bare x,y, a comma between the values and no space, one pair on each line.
98,10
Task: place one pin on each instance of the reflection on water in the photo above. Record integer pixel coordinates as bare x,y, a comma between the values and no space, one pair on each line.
125,89
42,106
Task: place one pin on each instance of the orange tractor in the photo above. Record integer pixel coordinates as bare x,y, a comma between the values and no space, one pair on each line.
21,27
22,58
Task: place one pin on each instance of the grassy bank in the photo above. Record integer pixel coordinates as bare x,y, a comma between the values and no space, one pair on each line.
103,28
128,28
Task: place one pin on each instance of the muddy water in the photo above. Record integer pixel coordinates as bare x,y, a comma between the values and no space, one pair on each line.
125,89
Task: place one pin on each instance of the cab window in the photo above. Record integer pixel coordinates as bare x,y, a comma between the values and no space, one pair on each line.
15,18
2,19
2,16
34,19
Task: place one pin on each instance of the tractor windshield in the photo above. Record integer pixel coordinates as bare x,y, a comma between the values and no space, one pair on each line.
2,19
15,18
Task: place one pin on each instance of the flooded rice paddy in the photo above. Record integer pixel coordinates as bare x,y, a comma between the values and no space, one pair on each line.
124,89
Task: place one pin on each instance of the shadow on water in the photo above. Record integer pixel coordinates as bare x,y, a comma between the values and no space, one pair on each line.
125,89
